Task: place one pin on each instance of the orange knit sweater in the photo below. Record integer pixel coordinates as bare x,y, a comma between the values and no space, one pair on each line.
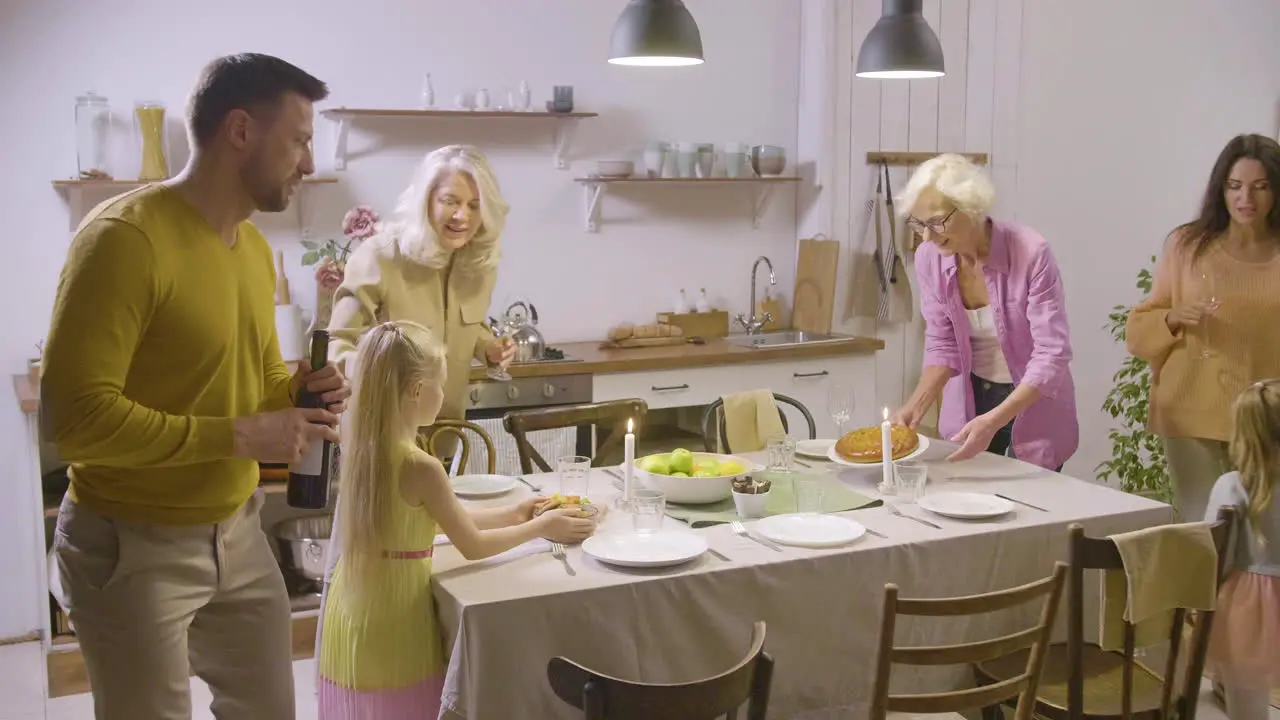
1191,396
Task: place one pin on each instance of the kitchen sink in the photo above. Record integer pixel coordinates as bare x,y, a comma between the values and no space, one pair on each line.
785,338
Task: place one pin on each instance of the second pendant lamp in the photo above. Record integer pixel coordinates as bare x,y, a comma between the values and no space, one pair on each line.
901,45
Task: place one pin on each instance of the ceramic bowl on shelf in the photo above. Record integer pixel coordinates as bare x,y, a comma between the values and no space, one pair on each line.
768,160
615,168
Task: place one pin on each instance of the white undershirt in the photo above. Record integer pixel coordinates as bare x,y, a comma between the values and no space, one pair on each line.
988,356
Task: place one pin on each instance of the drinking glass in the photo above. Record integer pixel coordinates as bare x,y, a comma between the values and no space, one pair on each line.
782,453
575,474
647,510
910,476
497,372
808,495
1207,292
840,403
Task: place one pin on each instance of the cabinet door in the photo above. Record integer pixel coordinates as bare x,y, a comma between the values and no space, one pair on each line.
811,381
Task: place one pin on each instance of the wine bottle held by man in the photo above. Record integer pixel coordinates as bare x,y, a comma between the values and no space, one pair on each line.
310,476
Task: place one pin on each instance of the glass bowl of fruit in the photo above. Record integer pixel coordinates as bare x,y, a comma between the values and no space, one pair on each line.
692,478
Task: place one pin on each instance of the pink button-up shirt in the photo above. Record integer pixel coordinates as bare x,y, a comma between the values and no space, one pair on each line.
1029,305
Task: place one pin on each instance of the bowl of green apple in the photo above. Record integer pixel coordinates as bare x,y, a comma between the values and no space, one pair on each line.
692,478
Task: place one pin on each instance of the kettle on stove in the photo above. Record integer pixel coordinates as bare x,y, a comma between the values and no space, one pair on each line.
520,324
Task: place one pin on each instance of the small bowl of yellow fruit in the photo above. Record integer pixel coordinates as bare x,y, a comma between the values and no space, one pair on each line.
692,478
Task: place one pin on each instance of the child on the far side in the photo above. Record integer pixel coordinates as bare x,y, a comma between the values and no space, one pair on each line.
1244,648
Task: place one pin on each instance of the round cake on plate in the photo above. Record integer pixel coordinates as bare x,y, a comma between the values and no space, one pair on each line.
863,445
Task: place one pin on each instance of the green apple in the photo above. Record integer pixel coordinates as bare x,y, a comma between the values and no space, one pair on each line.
655,464
681,461
707,467
679,474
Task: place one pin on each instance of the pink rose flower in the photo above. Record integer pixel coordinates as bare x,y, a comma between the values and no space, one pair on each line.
329,276
360,222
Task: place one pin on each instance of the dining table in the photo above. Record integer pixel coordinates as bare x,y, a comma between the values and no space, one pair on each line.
505,617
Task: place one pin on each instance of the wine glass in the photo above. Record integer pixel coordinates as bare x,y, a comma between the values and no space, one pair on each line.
1207,292
840,404
497,372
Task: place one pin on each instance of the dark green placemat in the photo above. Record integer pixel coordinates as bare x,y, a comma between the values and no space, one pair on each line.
835,498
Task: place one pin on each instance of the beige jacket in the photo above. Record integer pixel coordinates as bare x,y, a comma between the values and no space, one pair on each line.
382,284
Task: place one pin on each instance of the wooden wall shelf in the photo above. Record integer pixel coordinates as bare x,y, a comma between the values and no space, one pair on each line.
74,192
899,159
761,191
343,118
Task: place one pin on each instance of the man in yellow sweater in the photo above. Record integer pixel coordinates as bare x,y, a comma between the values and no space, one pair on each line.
164,388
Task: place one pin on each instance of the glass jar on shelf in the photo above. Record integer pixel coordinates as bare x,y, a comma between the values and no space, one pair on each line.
93,136
153,136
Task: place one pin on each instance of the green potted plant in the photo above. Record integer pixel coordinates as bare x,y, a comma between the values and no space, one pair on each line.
1137,456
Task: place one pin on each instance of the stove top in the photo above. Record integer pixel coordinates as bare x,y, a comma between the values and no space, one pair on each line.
548,359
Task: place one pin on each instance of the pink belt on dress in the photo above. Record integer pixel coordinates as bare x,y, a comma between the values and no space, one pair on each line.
409,554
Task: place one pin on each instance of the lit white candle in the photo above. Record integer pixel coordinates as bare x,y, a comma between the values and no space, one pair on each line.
886,453
629,460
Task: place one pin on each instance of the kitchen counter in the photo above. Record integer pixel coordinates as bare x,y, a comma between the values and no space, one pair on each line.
591,359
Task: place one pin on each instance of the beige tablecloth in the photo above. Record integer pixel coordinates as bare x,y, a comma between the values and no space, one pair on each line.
505,617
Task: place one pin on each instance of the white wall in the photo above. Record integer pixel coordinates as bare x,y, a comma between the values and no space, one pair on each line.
373,54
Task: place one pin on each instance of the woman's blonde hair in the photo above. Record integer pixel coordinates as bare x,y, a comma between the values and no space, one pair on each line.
956,178
1255,444
390,359
410,222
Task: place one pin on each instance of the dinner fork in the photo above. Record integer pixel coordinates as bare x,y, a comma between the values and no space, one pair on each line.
741,529
893,509
528,484
557,552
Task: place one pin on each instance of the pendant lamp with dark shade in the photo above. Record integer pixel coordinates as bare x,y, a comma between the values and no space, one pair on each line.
655,33
901,45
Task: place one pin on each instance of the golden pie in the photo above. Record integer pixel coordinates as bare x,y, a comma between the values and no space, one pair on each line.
863,445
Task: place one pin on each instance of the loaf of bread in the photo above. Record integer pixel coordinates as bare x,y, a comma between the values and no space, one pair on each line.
627,331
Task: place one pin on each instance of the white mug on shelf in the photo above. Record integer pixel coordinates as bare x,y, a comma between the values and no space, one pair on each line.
735,159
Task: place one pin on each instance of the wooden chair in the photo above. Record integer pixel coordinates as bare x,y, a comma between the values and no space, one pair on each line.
612,415
1021,685
715,411
600,696
429,439
1084,681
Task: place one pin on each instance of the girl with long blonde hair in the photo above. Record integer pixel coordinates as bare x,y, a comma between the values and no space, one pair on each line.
1244,648
380,655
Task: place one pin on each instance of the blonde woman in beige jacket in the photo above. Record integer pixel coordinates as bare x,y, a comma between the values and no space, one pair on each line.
434,262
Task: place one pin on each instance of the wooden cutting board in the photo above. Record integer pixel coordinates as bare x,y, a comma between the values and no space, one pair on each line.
814,298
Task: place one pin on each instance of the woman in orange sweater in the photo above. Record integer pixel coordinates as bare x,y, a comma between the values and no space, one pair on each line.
1209,327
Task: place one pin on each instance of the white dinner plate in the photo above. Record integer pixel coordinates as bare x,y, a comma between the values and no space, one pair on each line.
965,505
834,456
657,549
483,486
804,530
814,448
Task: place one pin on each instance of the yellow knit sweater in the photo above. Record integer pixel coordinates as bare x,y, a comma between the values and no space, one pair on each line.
1191,396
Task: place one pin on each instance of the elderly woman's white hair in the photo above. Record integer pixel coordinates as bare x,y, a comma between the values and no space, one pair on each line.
957,179
411,224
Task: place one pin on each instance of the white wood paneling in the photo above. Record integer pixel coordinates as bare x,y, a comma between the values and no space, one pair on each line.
974,108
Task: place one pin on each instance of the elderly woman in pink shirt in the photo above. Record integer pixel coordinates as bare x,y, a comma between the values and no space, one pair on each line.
997,344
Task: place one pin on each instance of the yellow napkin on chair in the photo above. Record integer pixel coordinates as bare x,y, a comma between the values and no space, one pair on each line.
1165,568
750,419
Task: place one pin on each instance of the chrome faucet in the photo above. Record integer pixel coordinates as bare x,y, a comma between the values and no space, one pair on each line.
752,326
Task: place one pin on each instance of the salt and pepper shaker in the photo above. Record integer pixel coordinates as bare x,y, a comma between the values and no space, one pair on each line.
428,94
682,303
702,305
526,97
482,99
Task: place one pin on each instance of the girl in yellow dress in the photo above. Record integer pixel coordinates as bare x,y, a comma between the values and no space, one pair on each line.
381,657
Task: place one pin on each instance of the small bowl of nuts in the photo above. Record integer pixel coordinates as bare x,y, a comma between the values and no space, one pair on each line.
751,496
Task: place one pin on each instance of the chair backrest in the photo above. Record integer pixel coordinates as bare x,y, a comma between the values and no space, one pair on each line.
715,414
1023,686
611,415
429,438
1088,553
600,696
